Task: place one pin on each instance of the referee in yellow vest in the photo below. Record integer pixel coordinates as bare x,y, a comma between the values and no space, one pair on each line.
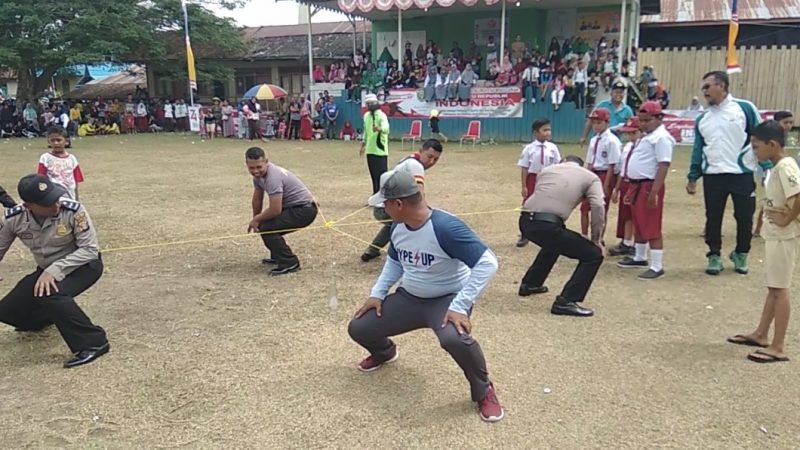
376,141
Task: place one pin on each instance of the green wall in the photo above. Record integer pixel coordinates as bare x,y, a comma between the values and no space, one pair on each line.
444,29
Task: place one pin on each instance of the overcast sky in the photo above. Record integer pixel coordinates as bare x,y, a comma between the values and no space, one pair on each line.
270,12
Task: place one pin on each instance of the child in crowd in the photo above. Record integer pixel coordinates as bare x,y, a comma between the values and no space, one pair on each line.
536,156
317,130
129,123
347,133
58,165
786,121
632,133
434,123
269,125
359,134
592,88
782,248
282,129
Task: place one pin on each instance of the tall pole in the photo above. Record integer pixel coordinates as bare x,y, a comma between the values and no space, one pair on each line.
502,51
621,50
364,35
638,23
399,38
310,52
188,49
631,29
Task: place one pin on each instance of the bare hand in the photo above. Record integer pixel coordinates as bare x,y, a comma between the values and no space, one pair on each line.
524,192
376,129
778,218
652,200
615,196
691,187
361,151
461,322
582,141
601,247
371,303
252,227
45,285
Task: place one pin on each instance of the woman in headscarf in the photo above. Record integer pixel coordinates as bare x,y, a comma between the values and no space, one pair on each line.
334,70
319,74
467,81
306,129
441,84
429,88
453,80
227,119
31,117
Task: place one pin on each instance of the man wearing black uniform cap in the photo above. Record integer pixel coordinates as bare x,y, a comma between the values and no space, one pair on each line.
62,239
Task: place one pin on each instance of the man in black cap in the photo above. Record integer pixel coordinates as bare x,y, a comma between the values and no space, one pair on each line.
60,235
620,112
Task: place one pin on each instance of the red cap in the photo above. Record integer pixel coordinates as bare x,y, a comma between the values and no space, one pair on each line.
601,114
632,125
652,108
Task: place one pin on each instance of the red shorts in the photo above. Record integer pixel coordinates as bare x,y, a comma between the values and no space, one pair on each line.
646,221
624,209
585,207
530,184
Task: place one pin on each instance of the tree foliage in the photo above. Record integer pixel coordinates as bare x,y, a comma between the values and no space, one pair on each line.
37,39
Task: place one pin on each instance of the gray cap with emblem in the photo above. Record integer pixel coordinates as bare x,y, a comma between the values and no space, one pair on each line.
394,184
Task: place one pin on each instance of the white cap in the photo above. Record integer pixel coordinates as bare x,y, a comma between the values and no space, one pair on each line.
370,98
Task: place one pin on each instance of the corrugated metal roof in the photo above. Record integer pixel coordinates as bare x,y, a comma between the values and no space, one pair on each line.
687,11
302,30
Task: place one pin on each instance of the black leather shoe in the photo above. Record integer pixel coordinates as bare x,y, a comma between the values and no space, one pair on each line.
284,270
570,309
87,356
525,290
270,261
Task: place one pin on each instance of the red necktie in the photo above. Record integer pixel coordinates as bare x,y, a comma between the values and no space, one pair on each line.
594,150
541,154
628,159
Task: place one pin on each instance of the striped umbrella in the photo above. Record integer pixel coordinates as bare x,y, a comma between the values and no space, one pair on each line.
265,92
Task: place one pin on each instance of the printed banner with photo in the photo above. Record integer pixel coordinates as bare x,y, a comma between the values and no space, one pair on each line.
486,103
489,27
560,25
592,26
387,42
680,124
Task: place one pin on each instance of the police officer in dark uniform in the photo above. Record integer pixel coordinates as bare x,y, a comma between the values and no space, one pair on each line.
62,239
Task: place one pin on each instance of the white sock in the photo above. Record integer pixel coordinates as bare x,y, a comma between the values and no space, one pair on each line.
641,252
656,259
627,242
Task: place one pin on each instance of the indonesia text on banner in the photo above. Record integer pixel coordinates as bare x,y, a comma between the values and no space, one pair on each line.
485,102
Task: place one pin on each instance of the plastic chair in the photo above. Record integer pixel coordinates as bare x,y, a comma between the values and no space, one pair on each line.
415,134
473,133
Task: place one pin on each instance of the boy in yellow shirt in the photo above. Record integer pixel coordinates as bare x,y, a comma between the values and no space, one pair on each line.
782,242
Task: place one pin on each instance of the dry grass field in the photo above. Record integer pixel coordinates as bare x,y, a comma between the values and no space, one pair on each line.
208,351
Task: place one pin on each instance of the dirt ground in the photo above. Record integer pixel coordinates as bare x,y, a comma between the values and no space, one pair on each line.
208,351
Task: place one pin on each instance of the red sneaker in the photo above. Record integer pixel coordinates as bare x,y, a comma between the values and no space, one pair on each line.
370,363
490,408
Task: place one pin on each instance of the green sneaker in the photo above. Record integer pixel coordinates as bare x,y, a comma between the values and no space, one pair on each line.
714,265
740,262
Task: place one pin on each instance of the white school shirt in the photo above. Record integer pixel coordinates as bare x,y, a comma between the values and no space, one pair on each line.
620,168
581,76
530,74
538,155
181,111
604,149
168,111
652,149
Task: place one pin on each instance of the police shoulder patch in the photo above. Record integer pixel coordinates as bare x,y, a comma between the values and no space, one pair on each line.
11,212
70,205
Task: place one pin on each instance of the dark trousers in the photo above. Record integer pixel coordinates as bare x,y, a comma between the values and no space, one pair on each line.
534,89
253,129
294,129
378,165
716,189
289,219
556,240
384,235
402,312
330,129
580,95
20,309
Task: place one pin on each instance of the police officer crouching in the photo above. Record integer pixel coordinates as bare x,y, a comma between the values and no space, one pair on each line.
60,235
559,189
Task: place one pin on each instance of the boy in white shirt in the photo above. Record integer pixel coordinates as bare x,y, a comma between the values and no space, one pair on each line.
181,115
169,116
633,133
536,156
602,158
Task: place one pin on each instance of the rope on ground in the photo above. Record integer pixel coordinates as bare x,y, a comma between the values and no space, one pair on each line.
327,224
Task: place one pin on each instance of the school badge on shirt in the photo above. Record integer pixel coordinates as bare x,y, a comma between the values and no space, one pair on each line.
61,230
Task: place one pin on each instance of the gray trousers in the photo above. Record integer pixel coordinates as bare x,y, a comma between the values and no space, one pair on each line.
384,235
403,312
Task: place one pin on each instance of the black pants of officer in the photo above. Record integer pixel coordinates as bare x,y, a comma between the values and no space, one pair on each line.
22,310
384,234
402,312
550,233
377,165
716,189
290,218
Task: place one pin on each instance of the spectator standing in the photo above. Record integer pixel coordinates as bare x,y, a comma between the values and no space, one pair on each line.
581,78
331,116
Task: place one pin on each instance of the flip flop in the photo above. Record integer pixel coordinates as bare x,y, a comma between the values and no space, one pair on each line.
741,339
769,358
